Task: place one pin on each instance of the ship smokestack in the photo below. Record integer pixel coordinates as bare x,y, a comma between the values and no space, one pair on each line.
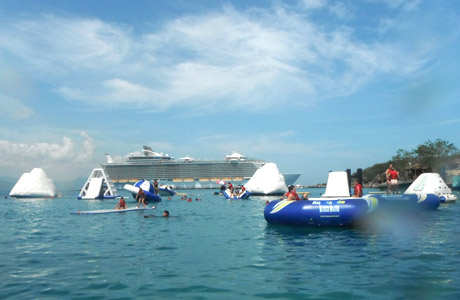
109,158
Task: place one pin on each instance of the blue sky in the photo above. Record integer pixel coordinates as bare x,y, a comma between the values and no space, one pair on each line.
313,85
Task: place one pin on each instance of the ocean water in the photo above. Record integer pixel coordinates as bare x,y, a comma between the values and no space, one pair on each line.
220,249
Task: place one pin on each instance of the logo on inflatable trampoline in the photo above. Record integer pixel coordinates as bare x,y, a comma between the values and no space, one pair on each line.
280,205
422,197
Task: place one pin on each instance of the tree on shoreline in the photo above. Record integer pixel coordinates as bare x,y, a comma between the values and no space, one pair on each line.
431,156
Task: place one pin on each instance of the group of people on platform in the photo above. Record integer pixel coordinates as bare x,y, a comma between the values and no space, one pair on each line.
140,199
234,191
122,204
391,176
292,194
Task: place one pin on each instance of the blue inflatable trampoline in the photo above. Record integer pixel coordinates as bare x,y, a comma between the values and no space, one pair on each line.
319,211
343,211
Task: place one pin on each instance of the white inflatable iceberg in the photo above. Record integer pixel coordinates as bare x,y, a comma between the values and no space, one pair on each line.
34,185
431,183
267,181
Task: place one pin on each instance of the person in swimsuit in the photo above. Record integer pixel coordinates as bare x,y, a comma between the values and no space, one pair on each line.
165,215
121,204
140,198
230,187
155,187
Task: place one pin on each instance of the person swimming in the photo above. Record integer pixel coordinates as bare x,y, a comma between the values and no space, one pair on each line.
165,215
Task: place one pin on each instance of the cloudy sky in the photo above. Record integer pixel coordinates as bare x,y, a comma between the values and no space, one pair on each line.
312,85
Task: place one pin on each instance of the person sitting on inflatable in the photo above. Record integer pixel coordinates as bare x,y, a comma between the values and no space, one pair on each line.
292,194
121,204
236,191
230,187
358,191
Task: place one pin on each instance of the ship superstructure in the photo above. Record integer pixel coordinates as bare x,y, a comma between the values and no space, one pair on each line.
184,172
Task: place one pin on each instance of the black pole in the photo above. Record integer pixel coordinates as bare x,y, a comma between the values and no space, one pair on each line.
349,179
360,175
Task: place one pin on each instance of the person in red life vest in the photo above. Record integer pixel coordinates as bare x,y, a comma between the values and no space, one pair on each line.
387,173
121,204
292,194
358,192
242,190
230,188
393,186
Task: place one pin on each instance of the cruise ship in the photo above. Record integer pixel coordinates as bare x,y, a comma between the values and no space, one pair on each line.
185,172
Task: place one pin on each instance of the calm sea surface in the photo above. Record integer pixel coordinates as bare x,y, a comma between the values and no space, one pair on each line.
220,249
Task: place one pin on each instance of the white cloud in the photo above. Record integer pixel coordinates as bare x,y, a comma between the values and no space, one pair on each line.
405,5
313,4
58,46
124,91
14,109
340,10
35,152
385,24
256,59
71,93
63,160
87,151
